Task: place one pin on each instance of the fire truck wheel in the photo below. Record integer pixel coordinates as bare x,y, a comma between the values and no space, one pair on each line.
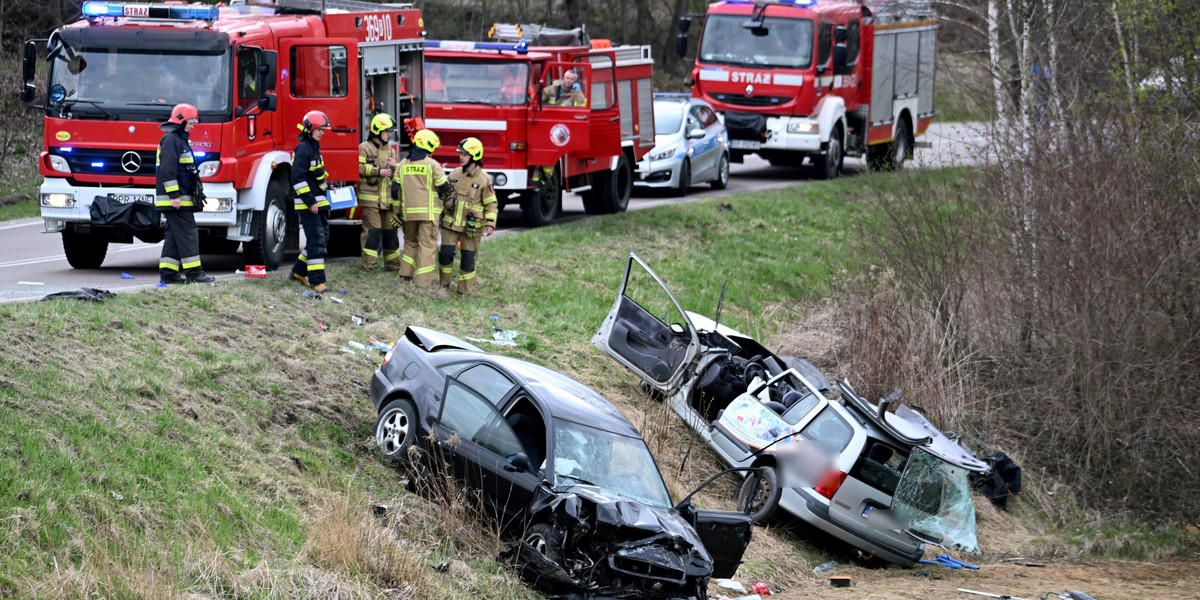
84,250
722,179
591,202
685,179
540,207
269,229
900,148
615,189
829,164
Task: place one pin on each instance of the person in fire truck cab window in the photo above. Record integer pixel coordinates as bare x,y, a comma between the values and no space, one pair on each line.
312,204
566,91
178,195
376,163
470,212
423,184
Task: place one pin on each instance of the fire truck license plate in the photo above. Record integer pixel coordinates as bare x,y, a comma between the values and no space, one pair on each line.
744,144
127,198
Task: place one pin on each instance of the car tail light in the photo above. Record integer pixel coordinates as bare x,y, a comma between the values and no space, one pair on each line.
829,483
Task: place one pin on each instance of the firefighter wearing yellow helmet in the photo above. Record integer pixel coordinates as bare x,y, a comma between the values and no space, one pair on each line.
423,184
376,164
469,216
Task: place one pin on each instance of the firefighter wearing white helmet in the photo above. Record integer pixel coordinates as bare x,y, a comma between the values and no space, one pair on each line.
311,203
422,186
469,216
178,195
376,163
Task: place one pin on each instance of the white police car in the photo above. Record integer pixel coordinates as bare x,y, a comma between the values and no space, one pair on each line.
690,146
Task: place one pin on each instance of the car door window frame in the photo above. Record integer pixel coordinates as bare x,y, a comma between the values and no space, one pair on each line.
492,418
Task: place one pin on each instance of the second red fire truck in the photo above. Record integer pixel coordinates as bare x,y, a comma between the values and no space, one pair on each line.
818,79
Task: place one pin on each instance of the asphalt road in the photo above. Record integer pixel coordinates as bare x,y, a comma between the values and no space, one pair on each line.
32,264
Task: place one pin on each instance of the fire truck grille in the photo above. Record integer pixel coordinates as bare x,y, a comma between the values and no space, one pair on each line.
741,100
100,161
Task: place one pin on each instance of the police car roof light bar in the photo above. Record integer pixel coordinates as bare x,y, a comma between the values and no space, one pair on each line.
521,47
151,11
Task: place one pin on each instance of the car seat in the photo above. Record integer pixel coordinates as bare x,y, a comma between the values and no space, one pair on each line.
531,435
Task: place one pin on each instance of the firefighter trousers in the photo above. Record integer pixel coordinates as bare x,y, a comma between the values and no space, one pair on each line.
311,262
469,246
181,245
420,252
379,238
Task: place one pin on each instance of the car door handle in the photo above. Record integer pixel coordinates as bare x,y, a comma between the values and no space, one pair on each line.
513,468
344,130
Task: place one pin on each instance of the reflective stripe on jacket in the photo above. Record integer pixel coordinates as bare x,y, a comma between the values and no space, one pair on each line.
373,188
176,174
419,180
474,197
308,175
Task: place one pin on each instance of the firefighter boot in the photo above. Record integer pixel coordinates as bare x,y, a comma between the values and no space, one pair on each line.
199,276
300,278
171,279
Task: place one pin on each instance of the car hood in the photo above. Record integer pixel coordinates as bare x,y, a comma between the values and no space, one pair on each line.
632,520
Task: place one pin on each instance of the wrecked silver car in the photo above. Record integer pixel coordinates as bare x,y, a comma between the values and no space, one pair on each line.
884,481
568,478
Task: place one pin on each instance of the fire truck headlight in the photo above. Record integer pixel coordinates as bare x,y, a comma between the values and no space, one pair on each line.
59,164
217,204
208,169
58,200
802,127
500,179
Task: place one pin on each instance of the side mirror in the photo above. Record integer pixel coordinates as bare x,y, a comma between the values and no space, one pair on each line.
29,62
521,461
27,93
267,69
681,44
685,23
268,102
692,134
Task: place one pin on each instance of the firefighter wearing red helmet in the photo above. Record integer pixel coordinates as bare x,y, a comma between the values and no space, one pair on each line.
470,214
423,184
376,163
178,194
309,185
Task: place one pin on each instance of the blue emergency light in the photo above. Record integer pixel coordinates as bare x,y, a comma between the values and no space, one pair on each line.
151,11
521,47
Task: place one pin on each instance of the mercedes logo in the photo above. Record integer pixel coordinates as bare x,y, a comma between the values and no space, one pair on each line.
750,90
131,162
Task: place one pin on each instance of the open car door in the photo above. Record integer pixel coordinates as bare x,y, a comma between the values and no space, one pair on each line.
657,349
725,534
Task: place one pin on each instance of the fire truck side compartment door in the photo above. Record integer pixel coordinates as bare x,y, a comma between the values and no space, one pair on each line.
559,128
322,74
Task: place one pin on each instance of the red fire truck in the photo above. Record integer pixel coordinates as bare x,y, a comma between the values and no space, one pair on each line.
821,79
252,71
493,91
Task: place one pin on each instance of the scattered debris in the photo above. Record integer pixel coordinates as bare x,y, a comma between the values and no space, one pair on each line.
356,345
126,276
921,573
824,567
322,327
93,294
1001,596
359,320
1029,564
840,581
380,510
256,271
30,283
335,299
750,597
731,584
380,346
761,588
442,567
724,206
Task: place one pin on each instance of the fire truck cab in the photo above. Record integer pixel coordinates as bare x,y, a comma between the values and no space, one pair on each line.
818,79
541,138
252,71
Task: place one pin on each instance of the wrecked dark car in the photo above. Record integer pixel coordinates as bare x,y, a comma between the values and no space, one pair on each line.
568,478
880,476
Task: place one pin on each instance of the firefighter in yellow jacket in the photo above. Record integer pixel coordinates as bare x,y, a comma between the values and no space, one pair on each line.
376,165
422,185
470,214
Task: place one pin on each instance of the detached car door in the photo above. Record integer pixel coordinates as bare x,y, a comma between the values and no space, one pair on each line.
725,535
659,350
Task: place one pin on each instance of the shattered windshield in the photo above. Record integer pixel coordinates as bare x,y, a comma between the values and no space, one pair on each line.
106,82
616,463
788,43
488,82
933,499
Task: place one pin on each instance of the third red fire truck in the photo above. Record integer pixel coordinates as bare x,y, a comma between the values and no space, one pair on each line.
818,79
536,148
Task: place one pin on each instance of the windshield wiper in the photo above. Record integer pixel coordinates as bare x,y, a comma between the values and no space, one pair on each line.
67,104
580,480
471,101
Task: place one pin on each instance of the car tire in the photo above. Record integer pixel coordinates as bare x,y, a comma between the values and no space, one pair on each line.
396,430
762,502
722,179
545,540
685,179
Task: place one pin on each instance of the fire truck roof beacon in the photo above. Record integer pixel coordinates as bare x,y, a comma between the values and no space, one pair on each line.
150,11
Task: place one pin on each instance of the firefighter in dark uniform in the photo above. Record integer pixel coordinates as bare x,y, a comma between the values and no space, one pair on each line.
309,185
178,195
470,213
422,185
375,166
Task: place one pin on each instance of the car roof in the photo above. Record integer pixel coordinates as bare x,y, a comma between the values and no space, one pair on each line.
565,398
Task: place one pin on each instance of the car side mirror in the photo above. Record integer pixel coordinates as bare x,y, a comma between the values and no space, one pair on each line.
29,62
685,23
695,134
520,461
681,44
267,69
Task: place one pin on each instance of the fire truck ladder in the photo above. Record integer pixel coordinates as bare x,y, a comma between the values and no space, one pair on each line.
324,6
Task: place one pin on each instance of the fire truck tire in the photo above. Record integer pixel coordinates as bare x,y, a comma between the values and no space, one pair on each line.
685,179
540,207
891,156
269,229
84,250
591,202
828,165
722,179
615,189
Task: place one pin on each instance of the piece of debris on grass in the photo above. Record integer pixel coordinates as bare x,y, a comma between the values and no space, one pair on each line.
731,584
92,294
380,510
359,320
441,567
840,581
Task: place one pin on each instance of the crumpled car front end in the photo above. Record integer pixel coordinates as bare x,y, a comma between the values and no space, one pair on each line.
587,543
